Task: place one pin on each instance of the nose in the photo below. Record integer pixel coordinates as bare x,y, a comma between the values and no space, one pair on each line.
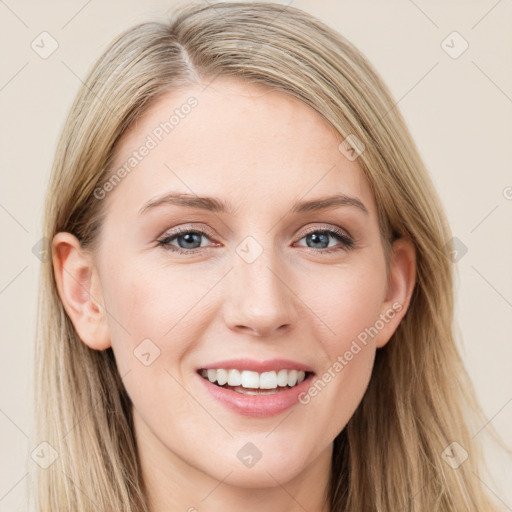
260,297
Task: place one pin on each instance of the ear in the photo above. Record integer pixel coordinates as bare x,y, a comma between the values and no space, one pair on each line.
79,290
401,281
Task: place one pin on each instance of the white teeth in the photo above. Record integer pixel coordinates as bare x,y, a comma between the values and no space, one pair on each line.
282,378
246,391
234,378
292,377
250,379
222,377
268,380
254,380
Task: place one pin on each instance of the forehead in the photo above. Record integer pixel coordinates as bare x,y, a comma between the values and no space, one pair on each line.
234,140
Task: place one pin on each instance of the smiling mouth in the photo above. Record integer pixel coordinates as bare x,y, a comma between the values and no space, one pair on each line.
254,383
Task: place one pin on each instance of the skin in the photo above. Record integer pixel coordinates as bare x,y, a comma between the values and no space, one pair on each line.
260,151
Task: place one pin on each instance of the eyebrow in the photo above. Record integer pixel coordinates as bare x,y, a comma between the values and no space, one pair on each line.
215,205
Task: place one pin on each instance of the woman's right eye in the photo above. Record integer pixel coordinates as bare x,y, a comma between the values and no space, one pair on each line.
187,240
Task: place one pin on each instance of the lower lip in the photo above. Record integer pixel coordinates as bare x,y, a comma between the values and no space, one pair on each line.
258,405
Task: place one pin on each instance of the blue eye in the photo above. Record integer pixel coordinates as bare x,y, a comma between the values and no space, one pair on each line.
189,240
321,237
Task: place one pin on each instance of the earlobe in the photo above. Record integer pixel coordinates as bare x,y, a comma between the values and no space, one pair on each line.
401,282
79,290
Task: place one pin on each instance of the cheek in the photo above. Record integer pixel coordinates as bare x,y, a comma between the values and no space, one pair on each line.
149,300
348,301
152,329
140,308
157,310
349,304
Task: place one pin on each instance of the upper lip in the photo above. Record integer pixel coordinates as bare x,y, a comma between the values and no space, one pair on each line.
258,366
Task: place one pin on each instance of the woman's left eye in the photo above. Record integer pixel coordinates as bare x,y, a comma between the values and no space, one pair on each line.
189,240
321,236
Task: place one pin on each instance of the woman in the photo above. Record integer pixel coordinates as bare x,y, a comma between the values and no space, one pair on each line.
301,356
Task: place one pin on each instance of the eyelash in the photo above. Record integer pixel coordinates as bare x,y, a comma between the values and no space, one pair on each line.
346,241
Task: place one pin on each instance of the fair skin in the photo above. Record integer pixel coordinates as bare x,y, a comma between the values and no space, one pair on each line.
260,151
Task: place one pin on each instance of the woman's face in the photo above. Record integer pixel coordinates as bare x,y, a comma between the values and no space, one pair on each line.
266,280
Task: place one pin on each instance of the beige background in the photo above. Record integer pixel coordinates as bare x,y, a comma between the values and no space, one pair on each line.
459,111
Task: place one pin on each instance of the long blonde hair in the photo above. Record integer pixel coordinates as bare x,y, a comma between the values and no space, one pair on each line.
419,400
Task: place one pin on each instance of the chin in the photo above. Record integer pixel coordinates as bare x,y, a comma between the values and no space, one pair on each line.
260,476
271,470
